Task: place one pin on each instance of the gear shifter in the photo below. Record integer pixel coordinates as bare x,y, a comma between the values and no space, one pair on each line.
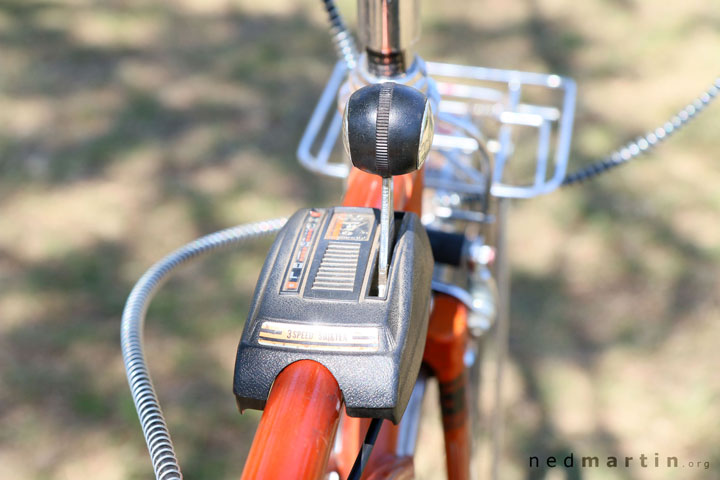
387,131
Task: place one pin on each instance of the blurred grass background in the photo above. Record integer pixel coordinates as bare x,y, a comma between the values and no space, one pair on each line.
128,128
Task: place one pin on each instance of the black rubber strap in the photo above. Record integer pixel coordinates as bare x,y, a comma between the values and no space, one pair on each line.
447,248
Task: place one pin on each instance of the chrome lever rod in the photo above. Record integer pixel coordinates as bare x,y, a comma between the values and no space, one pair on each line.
387,216
399,120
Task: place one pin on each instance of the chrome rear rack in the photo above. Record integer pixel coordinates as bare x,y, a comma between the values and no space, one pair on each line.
505,105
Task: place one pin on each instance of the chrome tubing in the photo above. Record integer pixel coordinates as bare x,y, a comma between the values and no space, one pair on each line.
153,423
387,220
387,29
387,26
316,159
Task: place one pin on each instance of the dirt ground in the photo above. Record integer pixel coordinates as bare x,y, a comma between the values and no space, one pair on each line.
128,128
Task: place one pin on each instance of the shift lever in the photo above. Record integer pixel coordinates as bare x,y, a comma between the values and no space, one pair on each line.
387,130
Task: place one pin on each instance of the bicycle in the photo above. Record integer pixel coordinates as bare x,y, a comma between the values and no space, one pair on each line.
468,177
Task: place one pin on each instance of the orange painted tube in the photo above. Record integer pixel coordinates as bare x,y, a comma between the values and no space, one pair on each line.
364,190
297,428
445,352
394,468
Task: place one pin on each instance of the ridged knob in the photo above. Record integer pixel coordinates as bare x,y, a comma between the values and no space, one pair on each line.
388,129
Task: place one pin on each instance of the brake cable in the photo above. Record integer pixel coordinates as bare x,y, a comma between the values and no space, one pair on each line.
646,142
342,38
366,449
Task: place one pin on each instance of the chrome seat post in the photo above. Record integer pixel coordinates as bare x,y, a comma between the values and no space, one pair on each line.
387,30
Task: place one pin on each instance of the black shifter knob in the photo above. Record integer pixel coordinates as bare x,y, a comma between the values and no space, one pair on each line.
388,129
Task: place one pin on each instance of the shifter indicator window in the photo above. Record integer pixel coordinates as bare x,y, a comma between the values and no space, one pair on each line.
341,256
347,226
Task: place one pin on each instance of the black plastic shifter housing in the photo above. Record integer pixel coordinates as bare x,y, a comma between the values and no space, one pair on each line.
317,299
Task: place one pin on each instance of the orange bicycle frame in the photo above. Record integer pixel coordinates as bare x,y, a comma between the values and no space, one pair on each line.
295,437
